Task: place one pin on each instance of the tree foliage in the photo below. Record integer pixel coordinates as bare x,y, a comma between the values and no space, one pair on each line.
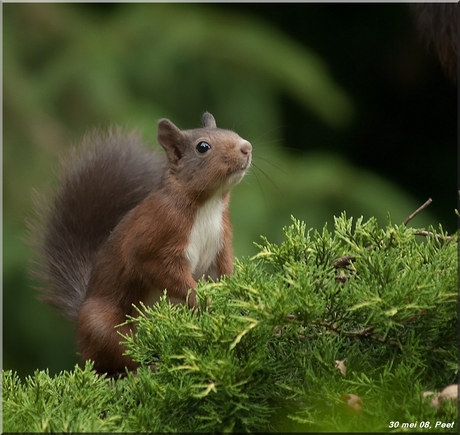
270,347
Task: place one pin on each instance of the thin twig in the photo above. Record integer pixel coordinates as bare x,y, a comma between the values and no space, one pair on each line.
426,233
416,212
365,332
430,234
362,333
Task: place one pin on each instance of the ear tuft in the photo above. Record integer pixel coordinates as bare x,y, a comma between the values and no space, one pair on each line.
208,120
171,139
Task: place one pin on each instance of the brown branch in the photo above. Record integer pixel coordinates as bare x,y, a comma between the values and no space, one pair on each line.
365,332
416,212
430,234
426,233
362,333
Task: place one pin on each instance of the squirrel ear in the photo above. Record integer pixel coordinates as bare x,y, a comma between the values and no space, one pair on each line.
208,120
171,139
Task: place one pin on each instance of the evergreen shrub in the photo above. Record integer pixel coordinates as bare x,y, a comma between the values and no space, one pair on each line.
280,345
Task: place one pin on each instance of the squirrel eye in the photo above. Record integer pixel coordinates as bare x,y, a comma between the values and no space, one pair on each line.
202,147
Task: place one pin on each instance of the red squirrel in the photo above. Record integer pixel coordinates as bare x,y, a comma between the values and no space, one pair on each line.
126,224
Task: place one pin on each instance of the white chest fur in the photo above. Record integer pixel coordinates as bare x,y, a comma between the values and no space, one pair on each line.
205,238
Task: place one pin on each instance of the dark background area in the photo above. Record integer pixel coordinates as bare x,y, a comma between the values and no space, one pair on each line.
406,129
397,150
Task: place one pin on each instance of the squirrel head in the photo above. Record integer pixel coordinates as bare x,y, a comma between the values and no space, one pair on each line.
207,160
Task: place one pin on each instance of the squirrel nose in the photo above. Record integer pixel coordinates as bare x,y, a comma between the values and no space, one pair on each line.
246,148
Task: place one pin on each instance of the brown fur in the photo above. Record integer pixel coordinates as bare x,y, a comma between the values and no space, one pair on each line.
145,251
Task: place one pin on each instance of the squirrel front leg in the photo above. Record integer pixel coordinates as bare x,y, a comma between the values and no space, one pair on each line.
174,277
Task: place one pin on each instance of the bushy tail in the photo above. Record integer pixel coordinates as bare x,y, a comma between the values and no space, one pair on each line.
100,182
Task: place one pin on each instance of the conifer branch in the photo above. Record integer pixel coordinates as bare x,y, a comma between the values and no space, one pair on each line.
362,333
431,234
346,260
265,336
426,233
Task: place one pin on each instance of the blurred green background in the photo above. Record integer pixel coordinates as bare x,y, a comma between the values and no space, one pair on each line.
345,107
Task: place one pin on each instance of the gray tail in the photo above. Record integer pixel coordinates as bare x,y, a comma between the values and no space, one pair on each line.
99,183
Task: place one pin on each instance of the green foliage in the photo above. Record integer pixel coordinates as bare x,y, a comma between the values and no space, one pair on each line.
262,354
71,402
